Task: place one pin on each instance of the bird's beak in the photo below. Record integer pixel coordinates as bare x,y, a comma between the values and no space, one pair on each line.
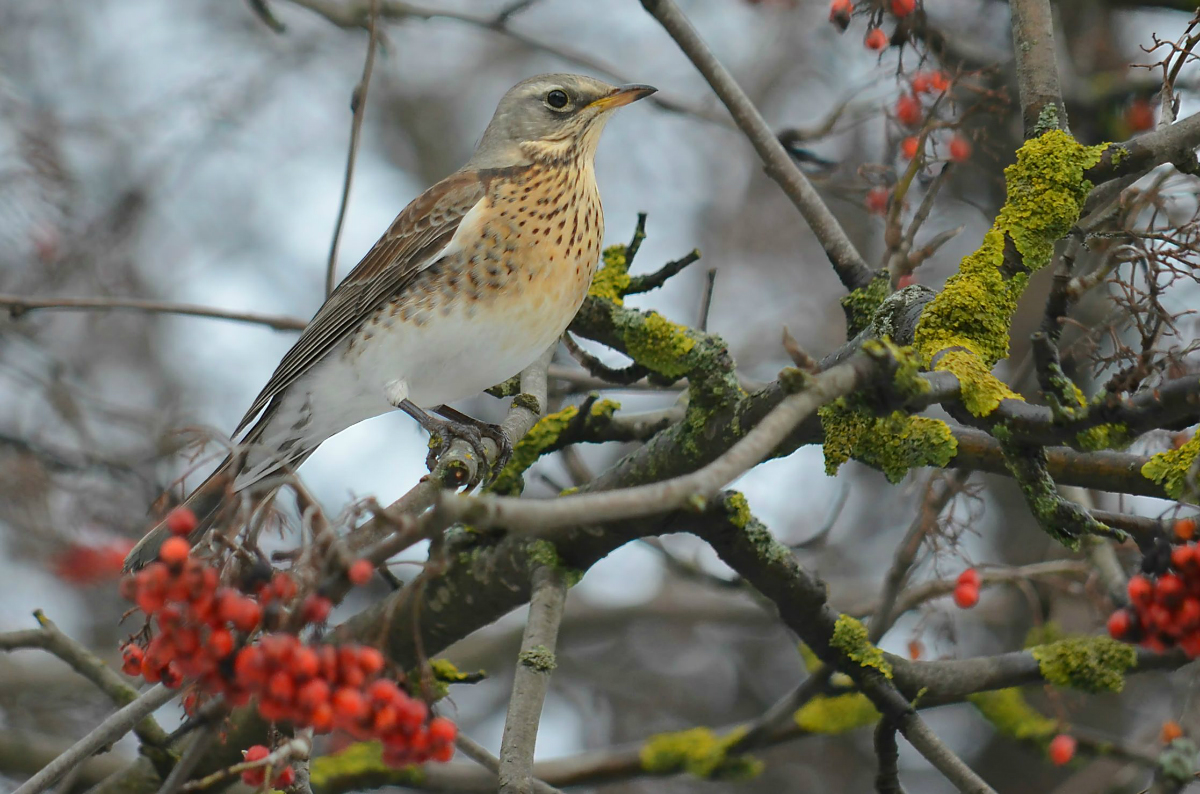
622,96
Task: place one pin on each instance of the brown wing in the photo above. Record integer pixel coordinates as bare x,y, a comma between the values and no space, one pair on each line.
419,232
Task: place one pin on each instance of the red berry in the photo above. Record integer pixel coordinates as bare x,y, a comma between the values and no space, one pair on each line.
443,753
903,8
839,13
312,694
247,614
171,677
908,110
285,778
968,576
1140,590
1118,624
939,82
1183,557
281,687
1188,617
220,643
131,659
907,280
442,731
877,200
383,690
360,572
250,666
181,521
921,83
1190,645
1169,590
915,649
316,608
960,148
370,660
966,595
1139,116
1062,749
174,551
348,705
305,664
908,147
283,586
254,777
876,40
1185,528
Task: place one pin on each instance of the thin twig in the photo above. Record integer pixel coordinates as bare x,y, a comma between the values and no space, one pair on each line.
534,665
195,751
358,103
927,743
846,260
710,283
18,306
104,734
479,754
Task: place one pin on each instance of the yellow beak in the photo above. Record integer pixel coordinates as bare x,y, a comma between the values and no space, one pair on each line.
622,96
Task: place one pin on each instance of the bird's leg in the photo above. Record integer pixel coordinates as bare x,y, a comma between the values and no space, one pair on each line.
445,431
496,433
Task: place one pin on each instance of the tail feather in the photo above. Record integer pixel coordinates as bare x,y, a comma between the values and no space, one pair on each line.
206,502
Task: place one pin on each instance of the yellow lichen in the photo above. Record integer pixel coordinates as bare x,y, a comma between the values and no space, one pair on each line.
1113,435
541,437
1173,470
359,766
660,344
612,279
738,509
1089,664
837,714
1011,714
851,638
894,444
860,304
699,752
970,318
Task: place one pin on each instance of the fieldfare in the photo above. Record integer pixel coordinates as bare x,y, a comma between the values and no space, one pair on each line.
471,283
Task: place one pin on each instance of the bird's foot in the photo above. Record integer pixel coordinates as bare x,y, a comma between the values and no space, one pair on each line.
456,425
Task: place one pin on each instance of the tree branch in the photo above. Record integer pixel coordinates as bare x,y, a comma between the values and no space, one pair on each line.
531,679
18,306
845,258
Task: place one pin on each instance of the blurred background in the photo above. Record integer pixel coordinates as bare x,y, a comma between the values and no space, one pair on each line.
185,152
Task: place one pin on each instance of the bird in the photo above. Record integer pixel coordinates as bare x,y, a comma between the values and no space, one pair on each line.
471,283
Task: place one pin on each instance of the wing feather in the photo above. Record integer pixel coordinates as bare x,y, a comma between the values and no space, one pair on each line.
413,242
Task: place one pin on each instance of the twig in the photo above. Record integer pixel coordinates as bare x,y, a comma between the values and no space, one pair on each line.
932,505
710,283
104,734
532,677
942,757
195,751
18,306
1037,73
659,277
887,779
358,103
479,754
846,260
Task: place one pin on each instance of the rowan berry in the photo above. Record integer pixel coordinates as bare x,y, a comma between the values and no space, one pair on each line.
1062,749
360,572
181,521
909,147
966,595
876,40
908,110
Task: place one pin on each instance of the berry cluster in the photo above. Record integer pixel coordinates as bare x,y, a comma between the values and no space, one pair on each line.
220,639
1164,600
840,12
966,589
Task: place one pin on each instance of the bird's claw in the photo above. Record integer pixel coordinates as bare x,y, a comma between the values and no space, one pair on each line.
447,430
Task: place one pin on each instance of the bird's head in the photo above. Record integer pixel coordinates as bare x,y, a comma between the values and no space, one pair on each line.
551,117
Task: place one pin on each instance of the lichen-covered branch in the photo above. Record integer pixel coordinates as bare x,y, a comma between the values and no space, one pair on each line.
1042,105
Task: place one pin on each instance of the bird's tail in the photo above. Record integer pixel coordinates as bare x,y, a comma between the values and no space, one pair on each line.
205,502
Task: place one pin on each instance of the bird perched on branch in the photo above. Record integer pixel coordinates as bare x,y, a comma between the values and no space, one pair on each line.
471,283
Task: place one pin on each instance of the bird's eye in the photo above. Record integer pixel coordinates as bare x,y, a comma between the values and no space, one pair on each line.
557,99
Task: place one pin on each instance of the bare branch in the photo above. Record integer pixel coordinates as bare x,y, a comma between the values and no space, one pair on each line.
534,665
104,734
18,306
358,103
847,262
1037,73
